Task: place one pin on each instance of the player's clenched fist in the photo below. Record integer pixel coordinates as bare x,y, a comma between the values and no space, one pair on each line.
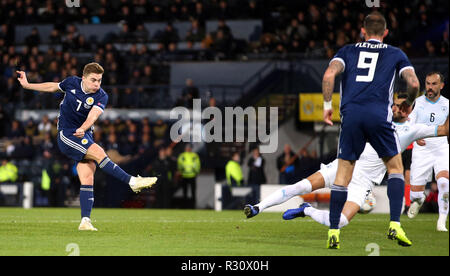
79,133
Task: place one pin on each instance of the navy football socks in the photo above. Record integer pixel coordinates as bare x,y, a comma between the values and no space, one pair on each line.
86,200
395,192
114,170
337,201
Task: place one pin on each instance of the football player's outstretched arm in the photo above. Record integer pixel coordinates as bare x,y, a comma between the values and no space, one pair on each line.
90,120
441,130
412,87
334,69
42,87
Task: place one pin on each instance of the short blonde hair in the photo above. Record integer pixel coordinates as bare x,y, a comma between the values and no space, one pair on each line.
93,67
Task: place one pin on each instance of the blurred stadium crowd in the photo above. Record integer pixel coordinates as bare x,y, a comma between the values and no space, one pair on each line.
135,75
312,30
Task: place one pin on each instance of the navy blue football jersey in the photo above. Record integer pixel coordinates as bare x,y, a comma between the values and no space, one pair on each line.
370,69
77,104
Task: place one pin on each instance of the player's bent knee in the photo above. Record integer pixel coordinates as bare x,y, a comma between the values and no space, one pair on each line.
442,174
96,153
317,181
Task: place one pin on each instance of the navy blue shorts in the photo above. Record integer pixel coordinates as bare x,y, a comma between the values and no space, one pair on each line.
361,126
73,147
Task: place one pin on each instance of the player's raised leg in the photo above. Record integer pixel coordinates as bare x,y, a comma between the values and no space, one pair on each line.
323,216
314,182
96,153
86,171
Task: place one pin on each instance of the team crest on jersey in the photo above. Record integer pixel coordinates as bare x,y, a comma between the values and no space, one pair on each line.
90,101
84,141
444,108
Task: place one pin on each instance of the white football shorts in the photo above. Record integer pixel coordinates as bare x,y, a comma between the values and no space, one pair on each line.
359,185
425,160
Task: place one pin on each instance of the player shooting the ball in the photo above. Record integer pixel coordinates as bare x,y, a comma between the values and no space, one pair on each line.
84,101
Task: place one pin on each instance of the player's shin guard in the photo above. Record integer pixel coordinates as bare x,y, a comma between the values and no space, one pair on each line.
395,192
114,170
337,201
86,200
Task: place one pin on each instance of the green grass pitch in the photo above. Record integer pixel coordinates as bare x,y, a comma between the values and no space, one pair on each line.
48,231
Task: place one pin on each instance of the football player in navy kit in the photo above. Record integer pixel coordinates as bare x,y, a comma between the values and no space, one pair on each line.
368,72
84,101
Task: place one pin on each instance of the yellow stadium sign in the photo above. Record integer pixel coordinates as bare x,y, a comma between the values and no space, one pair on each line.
311,107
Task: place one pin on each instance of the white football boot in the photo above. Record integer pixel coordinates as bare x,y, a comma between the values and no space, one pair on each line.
441,223
141,183
86,225
415,206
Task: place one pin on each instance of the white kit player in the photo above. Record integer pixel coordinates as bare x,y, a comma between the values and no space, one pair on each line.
369,170
430,109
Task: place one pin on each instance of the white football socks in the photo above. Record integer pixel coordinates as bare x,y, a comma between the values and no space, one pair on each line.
417,195
323,216
442,184
284,194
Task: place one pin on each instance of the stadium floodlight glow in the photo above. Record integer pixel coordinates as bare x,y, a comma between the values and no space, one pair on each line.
188,130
